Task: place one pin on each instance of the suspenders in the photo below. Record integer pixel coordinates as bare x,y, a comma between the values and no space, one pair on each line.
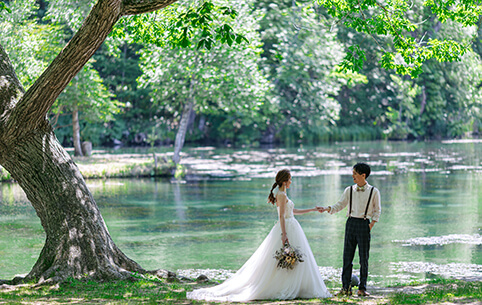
368,203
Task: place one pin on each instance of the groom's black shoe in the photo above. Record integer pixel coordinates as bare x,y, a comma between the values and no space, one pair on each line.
344,292
363,293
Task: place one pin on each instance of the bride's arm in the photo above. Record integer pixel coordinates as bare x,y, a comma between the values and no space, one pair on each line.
303,211
281,200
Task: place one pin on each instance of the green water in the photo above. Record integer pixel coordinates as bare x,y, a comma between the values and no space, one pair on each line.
430,224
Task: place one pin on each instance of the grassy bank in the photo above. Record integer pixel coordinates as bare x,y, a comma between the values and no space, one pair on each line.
102,165
155,291
442,291
124,165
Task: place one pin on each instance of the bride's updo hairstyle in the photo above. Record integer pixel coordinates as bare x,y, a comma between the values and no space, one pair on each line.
282,176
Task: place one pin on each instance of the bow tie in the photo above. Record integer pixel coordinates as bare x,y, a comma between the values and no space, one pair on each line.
360,188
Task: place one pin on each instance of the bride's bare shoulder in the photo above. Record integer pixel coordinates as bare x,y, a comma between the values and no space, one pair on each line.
281,197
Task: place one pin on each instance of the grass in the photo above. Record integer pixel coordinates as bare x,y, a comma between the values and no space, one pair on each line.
146,291
101,165
155,291
440,291
122,166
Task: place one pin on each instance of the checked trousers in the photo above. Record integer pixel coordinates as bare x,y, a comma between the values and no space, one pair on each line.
357,233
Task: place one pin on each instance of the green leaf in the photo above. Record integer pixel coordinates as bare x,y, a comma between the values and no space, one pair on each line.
229,11
3,6
240,39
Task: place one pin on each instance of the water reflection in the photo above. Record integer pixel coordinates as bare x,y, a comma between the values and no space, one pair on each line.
430,223
179,203
475,239
388,159
456,270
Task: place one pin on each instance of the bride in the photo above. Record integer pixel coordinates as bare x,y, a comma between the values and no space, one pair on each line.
260,278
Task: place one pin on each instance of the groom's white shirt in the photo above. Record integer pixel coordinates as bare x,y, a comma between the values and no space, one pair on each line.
359,203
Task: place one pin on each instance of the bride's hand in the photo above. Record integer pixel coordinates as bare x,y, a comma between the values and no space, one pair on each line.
284,238
320,209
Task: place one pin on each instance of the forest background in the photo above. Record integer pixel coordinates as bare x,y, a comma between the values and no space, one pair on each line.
282,86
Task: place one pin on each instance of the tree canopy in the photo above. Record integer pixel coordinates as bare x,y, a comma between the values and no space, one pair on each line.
353,83
400,21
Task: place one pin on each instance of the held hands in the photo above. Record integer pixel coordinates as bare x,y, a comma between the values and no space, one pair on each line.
321,209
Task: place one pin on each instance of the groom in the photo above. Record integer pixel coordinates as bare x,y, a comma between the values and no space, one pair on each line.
363,202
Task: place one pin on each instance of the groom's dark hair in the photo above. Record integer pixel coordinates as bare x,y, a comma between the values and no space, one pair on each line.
362,168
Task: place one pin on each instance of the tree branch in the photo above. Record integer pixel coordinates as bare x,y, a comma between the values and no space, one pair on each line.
32,109
135,7
387,13
62,126
56,117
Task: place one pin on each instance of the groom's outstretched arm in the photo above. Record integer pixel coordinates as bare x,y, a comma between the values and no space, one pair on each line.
340,205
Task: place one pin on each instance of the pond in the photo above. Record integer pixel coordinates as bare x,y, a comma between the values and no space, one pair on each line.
214,220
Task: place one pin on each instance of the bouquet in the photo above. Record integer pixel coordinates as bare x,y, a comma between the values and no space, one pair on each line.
288,256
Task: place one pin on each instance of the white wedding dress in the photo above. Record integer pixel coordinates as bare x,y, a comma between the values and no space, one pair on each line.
260,279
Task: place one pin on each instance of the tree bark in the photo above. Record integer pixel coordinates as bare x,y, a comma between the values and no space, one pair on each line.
181,132
134,7
78,244
76,133
424,101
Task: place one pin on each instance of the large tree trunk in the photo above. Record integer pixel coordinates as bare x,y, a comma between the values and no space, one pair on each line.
77,240
76,133
77,243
